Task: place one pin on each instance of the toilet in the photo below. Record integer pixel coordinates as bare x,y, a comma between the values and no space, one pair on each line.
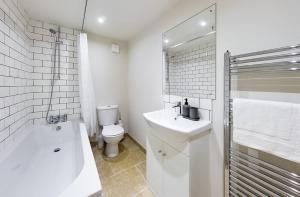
112,132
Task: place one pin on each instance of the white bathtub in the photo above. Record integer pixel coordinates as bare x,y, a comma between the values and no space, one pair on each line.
33,169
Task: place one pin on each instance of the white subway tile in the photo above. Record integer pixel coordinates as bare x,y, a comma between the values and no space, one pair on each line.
42,44
41,31
42,69
36,23
66,30
74,116
25,67
206,104
4,70
40,108
4,91
42,57
4,134
4,28
35,36
71,37
4,113
58,106
50,26
4,49
204,114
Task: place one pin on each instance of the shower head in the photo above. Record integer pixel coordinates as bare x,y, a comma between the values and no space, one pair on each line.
52,31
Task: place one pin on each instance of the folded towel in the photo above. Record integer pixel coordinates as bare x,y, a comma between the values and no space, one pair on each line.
264,117
273,127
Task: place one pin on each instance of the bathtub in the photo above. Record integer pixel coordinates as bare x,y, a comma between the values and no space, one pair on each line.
50,162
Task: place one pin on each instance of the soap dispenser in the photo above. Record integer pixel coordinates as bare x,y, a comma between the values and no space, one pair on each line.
186,109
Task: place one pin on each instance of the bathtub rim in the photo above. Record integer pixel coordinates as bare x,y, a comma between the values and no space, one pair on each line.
87,183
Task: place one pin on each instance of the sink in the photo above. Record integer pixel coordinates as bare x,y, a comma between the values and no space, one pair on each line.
168,124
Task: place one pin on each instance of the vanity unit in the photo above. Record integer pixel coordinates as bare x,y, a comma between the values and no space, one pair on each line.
177,155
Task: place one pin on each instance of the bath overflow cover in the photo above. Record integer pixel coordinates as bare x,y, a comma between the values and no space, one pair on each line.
57,150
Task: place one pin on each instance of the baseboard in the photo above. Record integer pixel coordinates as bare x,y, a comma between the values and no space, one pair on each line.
127,134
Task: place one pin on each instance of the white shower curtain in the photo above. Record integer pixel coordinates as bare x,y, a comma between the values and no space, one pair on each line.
86,88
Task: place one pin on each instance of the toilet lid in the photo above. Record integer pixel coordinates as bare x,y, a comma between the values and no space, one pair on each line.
112,130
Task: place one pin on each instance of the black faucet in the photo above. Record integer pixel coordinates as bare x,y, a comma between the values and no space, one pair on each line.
56,119
178,105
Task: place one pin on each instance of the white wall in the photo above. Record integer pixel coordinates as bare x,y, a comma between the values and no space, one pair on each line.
242,26
109,72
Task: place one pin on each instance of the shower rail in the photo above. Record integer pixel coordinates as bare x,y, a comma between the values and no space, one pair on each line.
247,174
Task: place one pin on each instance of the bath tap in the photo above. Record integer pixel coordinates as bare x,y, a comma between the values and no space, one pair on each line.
53,119
57,119
63,118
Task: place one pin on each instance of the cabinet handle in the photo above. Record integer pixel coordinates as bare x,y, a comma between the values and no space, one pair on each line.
159,151
164,154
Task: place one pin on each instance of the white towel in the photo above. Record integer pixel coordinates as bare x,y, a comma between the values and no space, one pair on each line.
273,127
264,117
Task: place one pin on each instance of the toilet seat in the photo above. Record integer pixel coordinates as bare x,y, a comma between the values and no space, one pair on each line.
112,130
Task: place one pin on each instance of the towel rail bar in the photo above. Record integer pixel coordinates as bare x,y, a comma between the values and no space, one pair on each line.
267,58
238,190
253,184
254,175
266,165
233,194
272,71
275,50
245,187
267,186
268,180
268,65
256,166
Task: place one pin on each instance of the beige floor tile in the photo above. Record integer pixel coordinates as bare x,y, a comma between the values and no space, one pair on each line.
142,168
127,183
124,175
146,192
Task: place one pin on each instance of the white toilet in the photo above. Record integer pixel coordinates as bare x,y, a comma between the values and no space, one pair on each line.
112,132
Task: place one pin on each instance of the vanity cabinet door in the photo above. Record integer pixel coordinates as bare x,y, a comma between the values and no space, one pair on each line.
175,173
154,164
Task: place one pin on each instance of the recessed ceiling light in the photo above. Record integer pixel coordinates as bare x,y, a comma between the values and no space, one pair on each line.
203,23
294,69
166,41
101,20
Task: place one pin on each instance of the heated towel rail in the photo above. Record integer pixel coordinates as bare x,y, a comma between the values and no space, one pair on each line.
273,74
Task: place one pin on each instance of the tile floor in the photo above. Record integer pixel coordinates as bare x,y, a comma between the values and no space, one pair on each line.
124,175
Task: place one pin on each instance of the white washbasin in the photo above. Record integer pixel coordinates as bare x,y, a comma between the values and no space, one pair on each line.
164,122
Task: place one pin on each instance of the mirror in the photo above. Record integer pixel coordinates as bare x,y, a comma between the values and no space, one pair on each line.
189,52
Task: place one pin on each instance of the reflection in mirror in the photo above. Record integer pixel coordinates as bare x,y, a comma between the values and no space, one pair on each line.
189,52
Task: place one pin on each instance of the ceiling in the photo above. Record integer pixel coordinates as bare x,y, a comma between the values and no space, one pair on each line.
124,18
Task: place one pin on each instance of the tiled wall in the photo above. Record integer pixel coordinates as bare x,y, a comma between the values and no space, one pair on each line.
204,105
66,89
191,72
16,83
26,49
